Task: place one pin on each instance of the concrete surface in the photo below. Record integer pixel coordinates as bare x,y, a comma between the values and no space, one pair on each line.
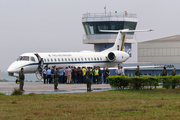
40,88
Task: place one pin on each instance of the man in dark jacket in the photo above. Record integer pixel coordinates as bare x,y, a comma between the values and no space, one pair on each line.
164,72
100,76
173,72
138,72
21,79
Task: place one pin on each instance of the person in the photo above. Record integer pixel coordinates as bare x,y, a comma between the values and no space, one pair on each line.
89,76
104,75
119,71
52,74
56,78
61,72
41,63
100,76
122,71
96,73
79,75
69,75
107,74
45,74
164,72
173,72
92,75
75,75
21,79
137,72
84,74
66,74
49,76
47,65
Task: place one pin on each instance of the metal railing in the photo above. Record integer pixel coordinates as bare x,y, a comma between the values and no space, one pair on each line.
109,14
105,36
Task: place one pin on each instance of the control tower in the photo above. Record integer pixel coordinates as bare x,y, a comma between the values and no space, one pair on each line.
93,22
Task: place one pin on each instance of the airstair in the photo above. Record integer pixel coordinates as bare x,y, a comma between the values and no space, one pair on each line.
39,74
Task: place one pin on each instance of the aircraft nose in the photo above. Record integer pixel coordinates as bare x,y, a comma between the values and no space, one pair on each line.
11,68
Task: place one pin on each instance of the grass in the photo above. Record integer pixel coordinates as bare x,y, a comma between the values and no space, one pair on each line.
124,104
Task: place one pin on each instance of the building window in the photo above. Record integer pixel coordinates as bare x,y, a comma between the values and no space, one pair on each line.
105,46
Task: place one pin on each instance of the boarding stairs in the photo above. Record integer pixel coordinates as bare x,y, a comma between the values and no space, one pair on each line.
39,74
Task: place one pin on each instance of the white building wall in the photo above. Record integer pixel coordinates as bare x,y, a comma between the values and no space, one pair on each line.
157,52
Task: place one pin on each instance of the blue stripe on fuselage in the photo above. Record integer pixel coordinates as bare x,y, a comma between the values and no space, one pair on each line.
68,63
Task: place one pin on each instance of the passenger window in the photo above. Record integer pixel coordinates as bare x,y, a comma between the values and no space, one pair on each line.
100,58
51,60
68,59
97,58
32,59
82,59
75,59
78,59
94,58
58,59
85,59
89,59
55,59
62,59
72,59
48,60
65,59
44,60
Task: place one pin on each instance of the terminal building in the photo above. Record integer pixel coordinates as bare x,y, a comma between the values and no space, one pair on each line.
159,52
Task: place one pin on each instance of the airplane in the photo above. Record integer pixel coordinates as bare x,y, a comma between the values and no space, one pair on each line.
107,58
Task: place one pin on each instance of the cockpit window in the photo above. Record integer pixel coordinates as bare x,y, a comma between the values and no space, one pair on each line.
24,58
32,59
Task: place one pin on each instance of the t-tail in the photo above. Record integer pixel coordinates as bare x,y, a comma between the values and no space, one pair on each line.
120,40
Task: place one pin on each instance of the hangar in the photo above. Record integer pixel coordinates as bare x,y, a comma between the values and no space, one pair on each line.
158,52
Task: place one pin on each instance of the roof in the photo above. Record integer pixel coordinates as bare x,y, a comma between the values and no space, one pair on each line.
166,39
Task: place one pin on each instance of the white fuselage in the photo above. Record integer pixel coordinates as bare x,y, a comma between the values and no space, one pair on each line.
30,62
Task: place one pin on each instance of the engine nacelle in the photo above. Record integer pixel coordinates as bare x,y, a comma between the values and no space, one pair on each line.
117,56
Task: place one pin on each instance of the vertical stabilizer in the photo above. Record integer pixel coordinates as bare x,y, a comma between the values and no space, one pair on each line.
120,39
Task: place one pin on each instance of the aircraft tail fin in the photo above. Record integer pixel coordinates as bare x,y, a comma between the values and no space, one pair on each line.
120,39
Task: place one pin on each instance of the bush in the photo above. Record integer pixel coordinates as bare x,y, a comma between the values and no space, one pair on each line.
17,92
2,94
136,82
119,82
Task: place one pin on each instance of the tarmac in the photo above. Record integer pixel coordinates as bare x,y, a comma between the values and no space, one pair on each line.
40,88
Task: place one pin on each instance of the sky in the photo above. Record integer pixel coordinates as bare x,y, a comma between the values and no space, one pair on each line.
55,25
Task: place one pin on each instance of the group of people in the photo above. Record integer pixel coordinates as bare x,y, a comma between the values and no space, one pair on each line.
164,72
68,75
